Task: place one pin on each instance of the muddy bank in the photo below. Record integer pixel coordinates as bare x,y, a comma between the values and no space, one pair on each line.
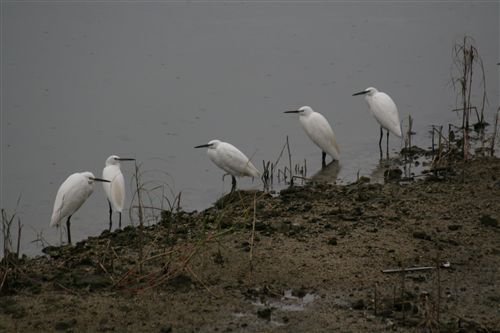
310,259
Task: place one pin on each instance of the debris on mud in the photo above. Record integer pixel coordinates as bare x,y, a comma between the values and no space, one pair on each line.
310,259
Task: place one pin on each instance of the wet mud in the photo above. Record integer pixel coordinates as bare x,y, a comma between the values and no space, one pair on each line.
405,256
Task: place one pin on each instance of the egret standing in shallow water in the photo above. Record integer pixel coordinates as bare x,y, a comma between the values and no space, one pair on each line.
385,112
71,196
115,190
319,131
230,159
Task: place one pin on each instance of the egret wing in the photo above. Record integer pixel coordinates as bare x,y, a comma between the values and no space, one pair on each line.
70,197
385,111
115,190
232,160
320,132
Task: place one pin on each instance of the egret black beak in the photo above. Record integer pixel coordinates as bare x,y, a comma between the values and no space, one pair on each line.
203,146
361,93
101,180
125,159
293,111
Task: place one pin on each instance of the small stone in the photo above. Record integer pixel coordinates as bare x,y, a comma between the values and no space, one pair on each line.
307,207
454,227
300,293
328,226
52,251
245,246
358,304
93,281
358,211
295,228
167,328
406,306
489,221
264,313
421,235
259,226
332,241
104,326
65,325
284,226
393,174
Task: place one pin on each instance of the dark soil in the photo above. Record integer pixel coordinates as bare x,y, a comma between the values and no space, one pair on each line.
313,264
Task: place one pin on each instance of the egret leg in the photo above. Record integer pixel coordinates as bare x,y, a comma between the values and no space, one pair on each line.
380,142
233,184
323,159
68,229
120,220
110,216
387,149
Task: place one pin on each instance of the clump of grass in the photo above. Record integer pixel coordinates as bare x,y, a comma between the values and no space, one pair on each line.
466,62
161,257
9,254
469,80
8,264
286,174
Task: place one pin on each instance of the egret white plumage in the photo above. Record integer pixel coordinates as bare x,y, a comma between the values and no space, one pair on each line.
385,111
319,131
115,189
70,197
230,159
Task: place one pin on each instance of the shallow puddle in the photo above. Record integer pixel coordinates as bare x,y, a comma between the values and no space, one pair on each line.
288,302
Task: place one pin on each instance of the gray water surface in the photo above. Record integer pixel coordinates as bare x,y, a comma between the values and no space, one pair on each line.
150,80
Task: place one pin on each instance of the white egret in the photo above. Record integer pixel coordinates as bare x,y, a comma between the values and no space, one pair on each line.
71,196
115,190
319,131
385,112
230,159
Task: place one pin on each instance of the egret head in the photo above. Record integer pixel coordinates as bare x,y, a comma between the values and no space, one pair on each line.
370,91
112,160
115,160
210,145
302,111
89,176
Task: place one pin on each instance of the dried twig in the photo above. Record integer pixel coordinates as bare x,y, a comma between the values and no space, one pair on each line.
495,129
289,160
190,271
252,237
141,217
4,278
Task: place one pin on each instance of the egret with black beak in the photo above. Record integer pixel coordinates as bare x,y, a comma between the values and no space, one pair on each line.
230,159
319,131
115,189
71,196
383,108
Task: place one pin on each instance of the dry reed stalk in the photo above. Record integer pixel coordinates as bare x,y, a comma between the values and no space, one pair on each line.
438,298
138,188
252,237
289,160
190,271
495,129
4,278
465,58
